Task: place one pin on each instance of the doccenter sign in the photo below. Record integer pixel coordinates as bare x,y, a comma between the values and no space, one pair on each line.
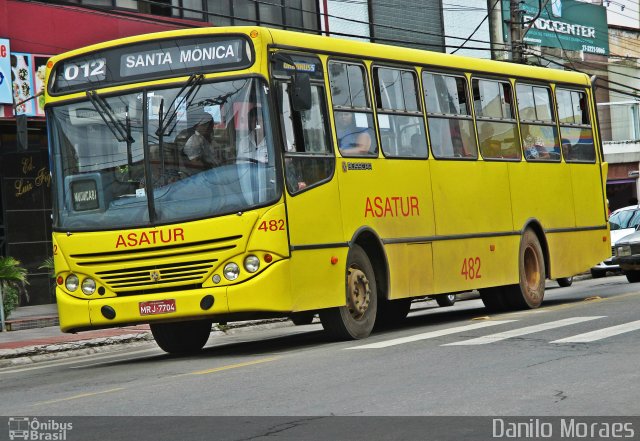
567,24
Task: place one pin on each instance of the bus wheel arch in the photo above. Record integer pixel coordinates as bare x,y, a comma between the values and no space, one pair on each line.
356,318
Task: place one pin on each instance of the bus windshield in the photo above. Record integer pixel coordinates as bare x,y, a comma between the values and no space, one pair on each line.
163,155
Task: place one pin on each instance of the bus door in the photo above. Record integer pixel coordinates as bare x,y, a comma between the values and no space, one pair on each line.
313,203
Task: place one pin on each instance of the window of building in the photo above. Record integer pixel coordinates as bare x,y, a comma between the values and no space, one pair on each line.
451,128
575,128
400,121
495,119
537,124
351,109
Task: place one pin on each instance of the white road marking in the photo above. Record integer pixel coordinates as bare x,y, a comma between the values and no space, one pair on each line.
432,334
523,331
601,333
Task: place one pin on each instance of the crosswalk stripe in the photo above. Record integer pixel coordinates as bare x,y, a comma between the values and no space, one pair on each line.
601,333
432,334
523,331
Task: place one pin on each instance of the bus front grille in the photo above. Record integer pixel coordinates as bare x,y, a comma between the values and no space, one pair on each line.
154,277
159,269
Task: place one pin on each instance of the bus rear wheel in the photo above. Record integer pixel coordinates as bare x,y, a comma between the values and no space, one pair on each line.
181,337
354,320
529,293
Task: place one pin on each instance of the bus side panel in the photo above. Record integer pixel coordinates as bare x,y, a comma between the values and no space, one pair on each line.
411,269
587,194
566,247
542,191
470,198
393,198
466,264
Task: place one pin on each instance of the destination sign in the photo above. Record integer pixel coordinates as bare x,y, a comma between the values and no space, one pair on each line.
151,60
181,57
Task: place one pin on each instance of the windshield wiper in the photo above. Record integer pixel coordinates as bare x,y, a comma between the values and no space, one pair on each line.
121,131
191,86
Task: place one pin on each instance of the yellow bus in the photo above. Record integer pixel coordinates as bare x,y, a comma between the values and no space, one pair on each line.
220,174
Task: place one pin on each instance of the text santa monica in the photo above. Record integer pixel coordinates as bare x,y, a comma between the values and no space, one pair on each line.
186,56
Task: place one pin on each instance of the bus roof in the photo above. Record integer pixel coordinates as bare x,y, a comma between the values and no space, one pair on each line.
349,48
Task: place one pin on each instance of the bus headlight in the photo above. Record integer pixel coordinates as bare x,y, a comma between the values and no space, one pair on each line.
231,271
251,263
72,282
88,286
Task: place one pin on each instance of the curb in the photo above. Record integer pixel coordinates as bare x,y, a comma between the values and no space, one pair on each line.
54,351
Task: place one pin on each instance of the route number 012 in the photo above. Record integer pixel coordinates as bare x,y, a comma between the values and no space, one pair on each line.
471,268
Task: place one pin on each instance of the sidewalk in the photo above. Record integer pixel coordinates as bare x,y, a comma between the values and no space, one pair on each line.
35,336
27,344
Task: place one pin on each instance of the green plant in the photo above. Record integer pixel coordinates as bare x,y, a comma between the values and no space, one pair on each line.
47,264
10,298
12,277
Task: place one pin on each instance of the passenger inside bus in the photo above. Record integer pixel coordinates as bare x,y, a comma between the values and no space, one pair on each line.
351,138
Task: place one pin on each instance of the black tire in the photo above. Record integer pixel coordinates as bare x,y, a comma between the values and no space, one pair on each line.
494,299
529,293
633,276
598,274
392,312
181,337
302,318
446,299
356,318
565,281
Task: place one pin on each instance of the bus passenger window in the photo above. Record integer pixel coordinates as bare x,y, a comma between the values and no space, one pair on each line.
451,128
575,129
537,124
497,127
400,119
352,112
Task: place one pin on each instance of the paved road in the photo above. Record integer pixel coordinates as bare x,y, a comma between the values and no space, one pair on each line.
578,355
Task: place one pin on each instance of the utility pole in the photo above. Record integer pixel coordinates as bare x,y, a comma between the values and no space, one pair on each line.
495,30
515,26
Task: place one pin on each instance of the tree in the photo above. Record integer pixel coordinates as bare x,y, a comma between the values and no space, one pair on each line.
12,276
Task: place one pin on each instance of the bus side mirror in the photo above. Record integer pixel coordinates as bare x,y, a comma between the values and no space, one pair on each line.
301,96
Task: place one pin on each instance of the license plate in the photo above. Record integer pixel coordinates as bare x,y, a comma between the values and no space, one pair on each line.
157,307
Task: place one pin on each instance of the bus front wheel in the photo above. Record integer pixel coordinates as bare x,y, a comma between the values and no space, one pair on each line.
529,293
181,337
354,320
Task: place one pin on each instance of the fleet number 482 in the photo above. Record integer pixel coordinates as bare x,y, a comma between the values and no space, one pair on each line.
272,225
471,268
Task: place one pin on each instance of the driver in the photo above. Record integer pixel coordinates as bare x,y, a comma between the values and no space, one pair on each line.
251,144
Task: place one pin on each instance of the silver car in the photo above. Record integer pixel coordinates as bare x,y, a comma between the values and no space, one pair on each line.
623,222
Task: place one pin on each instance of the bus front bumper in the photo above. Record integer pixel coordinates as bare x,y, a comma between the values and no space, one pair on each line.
266,292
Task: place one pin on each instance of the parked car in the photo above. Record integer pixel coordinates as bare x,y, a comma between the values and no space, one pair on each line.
627,256
623,222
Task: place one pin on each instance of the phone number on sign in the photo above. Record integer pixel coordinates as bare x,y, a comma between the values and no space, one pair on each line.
593,49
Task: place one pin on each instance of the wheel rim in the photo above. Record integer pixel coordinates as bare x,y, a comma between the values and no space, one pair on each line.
532,272
359,293
451,297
